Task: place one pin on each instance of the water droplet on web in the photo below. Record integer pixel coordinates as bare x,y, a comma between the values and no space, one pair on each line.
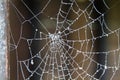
107,35
36,30
32,62
80,67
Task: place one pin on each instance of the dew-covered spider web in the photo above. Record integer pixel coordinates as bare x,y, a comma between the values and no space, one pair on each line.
63,40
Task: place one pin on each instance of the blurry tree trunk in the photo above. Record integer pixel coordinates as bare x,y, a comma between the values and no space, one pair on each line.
4,64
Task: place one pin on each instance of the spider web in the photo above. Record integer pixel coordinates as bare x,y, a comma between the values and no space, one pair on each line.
67,50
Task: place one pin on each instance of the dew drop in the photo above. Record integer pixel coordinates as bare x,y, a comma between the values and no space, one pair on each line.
32,62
